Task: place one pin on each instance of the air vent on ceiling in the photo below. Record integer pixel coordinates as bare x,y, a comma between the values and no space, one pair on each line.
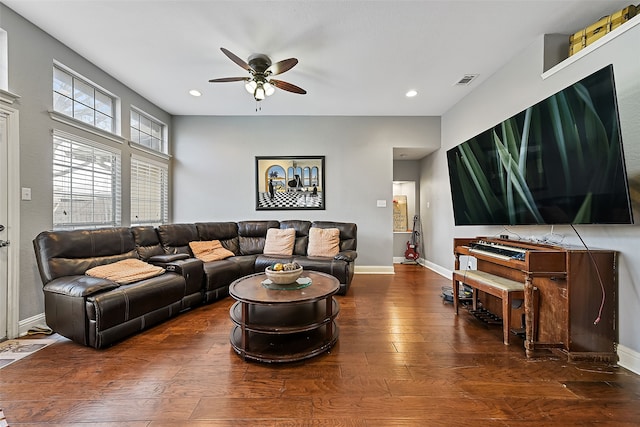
466,79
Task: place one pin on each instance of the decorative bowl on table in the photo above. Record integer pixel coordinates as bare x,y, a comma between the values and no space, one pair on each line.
283,274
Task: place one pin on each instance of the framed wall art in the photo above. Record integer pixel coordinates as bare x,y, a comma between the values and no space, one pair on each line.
290,183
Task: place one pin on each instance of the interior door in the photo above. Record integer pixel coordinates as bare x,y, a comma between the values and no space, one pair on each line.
3,227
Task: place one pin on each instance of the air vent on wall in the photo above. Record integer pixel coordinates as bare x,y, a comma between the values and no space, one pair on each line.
466,79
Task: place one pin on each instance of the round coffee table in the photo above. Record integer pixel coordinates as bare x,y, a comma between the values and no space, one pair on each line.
283,325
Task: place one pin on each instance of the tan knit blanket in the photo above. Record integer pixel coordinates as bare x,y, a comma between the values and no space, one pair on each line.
209,250
125,271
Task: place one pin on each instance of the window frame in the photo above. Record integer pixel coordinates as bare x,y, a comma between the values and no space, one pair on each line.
71,97
163,139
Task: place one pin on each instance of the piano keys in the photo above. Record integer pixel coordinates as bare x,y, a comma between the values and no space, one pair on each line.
497,250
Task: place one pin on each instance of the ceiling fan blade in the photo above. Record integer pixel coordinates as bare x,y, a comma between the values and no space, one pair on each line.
282,66
236,59
287,86
228,79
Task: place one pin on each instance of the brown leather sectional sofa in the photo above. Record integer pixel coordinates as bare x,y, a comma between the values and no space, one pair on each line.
99,312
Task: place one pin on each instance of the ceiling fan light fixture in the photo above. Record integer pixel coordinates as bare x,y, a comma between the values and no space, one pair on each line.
251,86
259,94
260,69
268,89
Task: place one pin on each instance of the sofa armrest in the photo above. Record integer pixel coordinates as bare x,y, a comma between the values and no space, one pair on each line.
79,286
182,266
166,258
191,269
348,256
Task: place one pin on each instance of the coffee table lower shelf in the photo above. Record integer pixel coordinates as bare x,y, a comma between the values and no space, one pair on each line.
291,347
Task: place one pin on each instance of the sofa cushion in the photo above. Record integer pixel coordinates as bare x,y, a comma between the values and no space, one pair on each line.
72,252
337,268
348,233
175,238
302,234
324,242
226,232
209,250
279,241
264,261
134,302
79,286
220,274
252,234
125,271
147,242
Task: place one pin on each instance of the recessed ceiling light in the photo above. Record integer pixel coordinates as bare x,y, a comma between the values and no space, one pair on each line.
194,92
411,93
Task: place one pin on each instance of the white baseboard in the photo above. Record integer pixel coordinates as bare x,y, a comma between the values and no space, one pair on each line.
26,324
436,268
374,269
629,359
403,260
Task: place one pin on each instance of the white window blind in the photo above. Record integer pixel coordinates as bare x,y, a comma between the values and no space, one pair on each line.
86,184
149,192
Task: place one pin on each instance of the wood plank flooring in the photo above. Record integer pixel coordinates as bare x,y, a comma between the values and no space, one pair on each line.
402,359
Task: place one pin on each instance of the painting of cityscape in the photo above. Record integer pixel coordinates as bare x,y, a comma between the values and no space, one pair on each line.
290,182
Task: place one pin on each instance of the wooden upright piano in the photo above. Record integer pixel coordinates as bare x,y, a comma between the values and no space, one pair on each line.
573,291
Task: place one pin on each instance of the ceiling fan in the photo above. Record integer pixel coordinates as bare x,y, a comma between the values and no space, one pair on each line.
260,68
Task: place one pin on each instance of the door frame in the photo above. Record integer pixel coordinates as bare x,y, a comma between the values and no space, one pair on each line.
13,216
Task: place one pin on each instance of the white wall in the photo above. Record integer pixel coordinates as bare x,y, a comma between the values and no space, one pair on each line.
512,89
214,169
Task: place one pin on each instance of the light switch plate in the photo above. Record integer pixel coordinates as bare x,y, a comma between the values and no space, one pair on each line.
26,193
381,203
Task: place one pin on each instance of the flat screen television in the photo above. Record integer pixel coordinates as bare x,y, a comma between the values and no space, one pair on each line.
558,162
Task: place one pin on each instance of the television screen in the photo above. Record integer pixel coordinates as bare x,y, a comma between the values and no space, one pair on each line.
557,162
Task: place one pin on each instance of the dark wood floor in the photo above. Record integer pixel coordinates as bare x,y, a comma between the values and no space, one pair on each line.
403,359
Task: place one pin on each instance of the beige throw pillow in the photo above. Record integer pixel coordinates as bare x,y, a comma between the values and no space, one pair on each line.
279,242
125,271
323,242
209,250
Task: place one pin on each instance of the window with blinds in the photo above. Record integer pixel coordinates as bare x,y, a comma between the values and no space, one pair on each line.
86,184
149,192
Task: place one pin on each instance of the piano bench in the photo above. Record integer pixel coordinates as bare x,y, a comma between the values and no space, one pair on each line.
505,289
